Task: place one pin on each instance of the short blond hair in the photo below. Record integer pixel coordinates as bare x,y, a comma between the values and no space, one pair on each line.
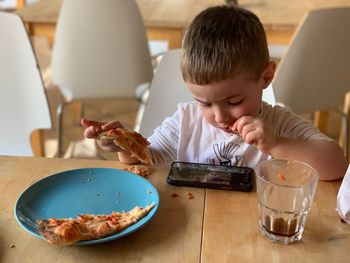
222,41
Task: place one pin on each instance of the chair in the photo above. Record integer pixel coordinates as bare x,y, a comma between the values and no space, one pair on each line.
168,83
101,51
314,74
23,103
344,137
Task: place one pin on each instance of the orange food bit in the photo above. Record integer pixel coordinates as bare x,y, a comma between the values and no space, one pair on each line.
281,177
174,195
190,195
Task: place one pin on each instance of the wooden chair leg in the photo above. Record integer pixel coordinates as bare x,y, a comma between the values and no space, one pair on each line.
37,142
76,108
346,112
76,111
20,4
321,120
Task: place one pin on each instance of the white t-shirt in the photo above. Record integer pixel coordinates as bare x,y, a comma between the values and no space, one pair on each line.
188,137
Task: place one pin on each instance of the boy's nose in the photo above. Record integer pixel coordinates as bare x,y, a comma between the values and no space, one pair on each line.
222,117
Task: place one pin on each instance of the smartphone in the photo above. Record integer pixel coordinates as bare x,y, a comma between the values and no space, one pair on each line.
234,178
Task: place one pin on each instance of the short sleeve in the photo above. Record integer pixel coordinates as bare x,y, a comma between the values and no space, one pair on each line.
285,123
164,140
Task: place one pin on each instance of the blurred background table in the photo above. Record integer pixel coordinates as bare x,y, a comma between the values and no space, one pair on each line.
167,19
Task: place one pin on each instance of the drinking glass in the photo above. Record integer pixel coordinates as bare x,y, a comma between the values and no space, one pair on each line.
285,191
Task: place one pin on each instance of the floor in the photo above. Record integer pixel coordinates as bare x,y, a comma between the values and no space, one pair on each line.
124,110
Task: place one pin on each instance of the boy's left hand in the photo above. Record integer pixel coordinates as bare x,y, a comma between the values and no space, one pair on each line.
93,128
255,131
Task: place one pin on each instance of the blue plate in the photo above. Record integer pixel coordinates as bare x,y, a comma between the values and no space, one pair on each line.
85,191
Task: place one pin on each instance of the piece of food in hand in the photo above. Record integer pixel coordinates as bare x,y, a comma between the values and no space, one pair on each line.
130,141
87,226
139,169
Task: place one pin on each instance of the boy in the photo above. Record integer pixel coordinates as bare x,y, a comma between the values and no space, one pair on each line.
225,64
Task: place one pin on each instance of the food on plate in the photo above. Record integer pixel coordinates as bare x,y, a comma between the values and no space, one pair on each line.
139,169
130,141
67,231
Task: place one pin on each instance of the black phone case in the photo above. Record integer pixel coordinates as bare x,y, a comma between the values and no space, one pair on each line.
211,176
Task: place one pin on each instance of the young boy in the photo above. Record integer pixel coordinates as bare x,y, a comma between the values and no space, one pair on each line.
225,64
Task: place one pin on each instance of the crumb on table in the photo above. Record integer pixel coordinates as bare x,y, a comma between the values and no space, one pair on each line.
190,195
174,195
140,169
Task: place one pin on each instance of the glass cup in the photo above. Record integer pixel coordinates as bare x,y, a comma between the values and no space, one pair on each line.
285,191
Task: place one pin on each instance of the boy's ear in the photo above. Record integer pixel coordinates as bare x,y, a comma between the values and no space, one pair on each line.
269,73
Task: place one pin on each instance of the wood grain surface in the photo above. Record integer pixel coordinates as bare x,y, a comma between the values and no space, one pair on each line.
173,234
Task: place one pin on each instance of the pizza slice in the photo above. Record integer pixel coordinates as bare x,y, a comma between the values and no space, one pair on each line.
67,231
130,141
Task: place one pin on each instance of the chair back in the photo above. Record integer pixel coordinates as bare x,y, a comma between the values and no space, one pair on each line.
314,74
168,89
100,50
23,101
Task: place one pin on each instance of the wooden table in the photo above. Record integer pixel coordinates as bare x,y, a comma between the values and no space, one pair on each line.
173,234
163,19
167,19
215,226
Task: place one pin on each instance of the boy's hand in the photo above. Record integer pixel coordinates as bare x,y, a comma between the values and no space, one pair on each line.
92,129
254,131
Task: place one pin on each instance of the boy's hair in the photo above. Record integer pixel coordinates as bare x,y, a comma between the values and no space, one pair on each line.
222,41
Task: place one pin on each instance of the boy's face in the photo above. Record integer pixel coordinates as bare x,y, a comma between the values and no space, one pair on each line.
224,102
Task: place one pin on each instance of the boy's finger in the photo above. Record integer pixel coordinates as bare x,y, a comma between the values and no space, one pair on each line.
87,123
111,125
233,127
241,122
91,132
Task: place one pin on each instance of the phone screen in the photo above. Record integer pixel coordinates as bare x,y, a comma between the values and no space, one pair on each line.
211,176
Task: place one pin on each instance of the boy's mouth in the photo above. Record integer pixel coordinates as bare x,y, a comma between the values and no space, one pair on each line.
226,129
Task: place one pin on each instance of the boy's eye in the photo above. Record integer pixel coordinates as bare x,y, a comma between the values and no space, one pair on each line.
206,105
234,103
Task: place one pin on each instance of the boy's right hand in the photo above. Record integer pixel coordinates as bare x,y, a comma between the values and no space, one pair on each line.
256,132
93,128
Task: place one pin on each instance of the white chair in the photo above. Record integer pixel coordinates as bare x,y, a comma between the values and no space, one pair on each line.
23,103
101,51
168,89
314,74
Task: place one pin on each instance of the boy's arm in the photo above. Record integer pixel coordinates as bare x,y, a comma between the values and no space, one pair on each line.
325,156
